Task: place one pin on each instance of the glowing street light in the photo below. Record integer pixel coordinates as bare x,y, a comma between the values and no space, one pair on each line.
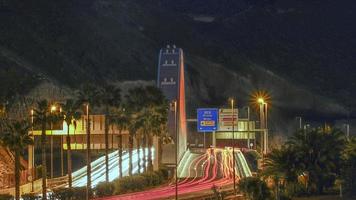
260,100
53,109
263,121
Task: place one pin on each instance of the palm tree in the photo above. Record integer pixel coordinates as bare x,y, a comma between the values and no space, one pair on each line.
42,117
349,167
318,160
283,165
70,115
144,129
254,188
122,122
110,97
88,96
135,99
132,127
156,111
15,137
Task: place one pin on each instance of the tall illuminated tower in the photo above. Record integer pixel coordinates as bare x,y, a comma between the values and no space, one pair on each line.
171,81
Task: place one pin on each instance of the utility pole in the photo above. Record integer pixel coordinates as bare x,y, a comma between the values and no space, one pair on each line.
31,154
233,143
347,126
300,122
88,189
204,140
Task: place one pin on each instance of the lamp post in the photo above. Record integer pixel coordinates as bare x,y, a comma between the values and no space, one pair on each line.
263,123
53,109
61,143
177,145
233,143
88,191
347,127
31,154
300,123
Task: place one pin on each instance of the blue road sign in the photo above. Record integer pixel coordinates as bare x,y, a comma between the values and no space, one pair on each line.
207,119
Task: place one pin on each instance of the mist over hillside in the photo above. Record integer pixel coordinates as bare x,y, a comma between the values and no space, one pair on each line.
291,48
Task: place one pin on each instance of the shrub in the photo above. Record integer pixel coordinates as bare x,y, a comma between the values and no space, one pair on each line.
62,193
130,183
254,188
6,197
78,193
152,178
30,196
164,172
104,189
252,157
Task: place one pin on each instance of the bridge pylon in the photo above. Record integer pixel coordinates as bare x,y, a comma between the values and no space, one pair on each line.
171,81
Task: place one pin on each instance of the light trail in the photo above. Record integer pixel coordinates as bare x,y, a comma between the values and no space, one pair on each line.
216,165
98,167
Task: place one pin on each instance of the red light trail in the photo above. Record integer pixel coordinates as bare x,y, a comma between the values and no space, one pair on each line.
217,167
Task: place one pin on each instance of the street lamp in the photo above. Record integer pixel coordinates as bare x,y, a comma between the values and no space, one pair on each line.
53,109
31,154
233,142
88,189
263,122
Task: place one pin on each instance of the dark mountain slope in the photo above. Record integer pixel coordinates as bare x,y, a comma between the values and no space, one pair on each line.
308,42
300,51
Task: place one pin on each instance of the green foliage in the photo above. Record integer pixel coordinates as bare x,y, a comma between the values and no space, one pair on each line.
6,197
254,188
78,193
252,157
104,189
283,164
30,196
315,154
152,178
164,172
133,183
130,184
349,167
319,156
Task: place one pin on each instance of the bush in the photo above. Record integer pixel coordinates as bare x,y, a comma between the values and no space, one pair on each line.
164,172
6,197
254,188
152,178
251,158
130,183
78,193
104,189
30,196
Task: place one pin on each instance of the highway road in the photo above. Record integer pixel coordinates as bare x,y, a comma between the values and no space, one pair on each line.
212,168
